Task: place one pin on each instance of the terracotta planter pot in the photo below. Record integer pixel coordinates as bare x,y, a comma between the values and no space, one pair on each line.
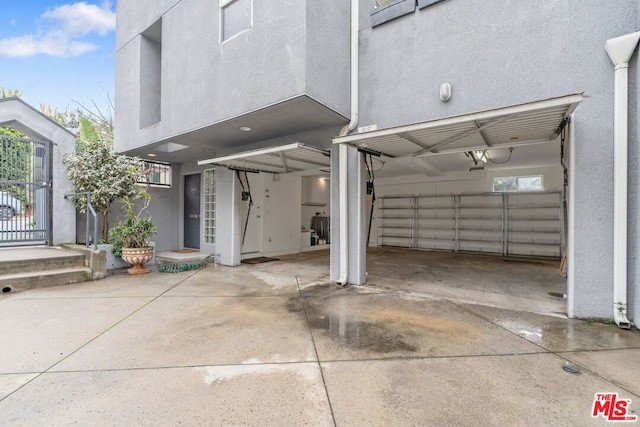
137,257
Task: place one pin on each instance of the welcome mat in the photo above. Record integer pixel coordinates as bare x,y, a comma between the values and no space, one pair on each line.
184,251
258,260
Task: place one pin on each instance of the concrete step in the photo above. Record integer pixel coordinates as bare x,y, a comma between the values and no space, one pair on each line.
40,279
26,260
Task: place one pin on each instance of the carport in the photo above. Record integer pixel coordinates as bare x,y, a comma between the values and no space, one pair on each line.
259,199
530,224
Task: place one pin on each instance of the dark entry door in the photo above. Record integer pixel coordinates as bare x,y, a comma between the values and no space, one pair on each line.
192,211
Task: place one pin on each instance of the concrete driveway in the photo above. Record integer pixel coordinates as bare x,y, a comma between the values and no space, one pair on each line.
250,346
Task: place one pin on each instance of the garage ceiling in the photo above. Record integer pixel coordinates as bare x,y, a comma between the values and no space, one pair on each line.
534,122
295,157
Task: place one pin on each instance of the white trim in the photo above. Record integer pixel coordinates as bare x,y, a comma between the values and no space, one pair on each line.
258,152
570,100
571,222
296,157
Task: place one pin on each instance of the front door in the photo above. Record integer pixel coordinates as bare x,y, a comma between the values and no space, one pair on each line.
192,211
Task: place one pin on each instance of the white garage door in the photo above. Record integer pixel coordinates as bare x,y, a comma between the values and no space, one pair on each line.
524,224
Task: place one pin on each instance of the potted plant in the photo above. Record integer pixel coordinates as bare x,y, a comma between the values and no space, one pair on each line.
131,235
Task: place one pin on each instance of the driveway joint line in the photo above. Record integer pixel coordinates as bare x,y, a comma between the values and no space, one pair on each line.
97,336
315,349
558,354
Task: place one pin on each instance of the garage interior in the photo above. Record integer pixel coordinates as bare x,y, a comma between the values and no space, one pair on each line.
471,208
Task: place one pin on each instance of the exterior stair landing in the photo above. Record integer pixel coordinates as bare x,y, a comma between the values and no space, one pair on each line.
35,267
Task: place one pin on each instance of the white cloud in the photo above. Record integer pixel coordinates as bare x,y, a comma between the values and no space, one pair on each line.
68,24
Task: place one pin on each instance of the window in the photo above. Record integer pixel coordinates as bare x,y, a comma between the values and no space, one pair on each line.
209,207
380,3
158,174
236,16
151,70
517,183
388,10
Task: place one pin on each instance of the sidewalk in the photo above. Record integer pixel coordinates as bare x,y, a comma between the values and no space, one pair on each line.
245,346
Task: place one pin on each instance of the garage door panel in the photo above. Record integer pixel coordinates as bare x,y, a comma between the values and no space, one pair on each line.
527,224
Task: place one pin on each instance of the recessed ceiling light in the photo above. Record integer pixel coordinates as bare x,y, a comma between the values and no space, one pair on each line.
151,155
246,128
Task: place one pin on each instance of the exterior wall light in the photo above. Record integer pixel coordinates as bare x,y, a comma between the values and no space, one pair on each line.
445,92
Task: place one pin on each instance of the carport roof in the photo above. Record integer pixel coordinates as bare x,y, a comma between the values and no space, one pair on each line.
533,122
294,157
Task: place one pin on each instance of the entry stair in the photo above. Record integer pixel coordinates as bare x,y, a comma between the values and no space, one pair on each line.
36,267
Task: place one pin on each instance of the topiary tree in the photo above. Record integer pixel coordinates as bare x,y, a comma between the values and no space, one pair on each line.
95,167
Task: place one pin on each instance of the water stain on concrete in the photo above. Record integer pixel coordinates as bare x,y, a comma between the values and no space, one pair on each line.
374,337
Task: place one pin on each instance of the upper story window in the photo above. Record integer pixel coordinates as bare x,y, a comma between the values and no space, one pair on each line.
379,3
158,174
387,10
517,183
236,16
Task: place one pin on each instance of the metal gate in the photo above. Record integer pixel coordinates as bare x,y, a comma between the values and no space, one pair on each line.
25,191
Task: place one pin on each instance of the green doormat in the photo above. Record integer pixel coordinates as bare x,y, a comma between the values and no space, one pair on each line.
179,267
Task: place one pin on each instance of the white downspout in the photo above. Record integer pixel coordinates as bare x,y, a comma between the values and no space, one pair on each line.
342,149
620,50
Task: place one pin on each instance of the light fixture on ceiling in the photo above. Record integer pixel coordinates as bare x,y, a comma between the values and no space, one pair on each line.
246,128
478,159
151,155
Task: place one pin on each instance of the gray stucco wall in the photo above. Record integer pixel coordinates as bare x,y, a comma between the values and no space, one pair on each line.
497,53
205,81
328,56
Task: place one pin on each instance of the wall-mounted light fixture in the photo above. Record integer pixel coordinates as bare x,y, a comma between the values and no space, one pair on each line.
445,92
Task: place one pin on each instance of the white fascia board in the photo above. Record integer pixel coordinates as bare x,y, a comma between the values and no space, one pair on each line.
571,101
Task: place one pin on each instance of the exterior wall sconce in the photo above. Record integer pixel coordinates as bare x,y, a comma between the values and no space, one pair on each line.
445,92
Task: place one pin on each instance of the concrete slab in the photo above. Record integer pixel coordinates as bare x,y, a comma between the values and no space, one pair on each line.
246,395
370,326
171,256
243,346
236,281
530,285
622,367
119,285
179,331
37,334
35,253
12,382
485,391
554,334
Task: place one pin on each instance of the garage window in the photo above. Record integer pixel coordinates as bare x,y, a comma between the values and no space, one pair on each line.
517,183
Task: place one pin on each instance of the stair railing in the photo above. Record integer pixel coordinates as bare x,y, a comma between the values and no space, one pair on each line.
90,212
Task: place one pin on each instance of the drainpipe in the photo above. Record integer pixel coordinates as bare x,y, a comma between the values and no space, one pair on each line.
342,149
620,50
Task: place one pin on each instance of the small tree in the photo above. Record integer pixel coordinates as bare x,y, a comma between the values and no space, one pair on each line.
95,167
15,162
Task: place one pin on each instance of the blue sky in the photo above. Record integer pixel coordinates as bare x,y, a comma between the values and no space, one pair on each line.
57,51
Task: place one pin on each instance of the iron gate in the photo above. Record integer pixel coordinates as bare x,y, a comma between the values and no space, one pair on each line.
25,191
